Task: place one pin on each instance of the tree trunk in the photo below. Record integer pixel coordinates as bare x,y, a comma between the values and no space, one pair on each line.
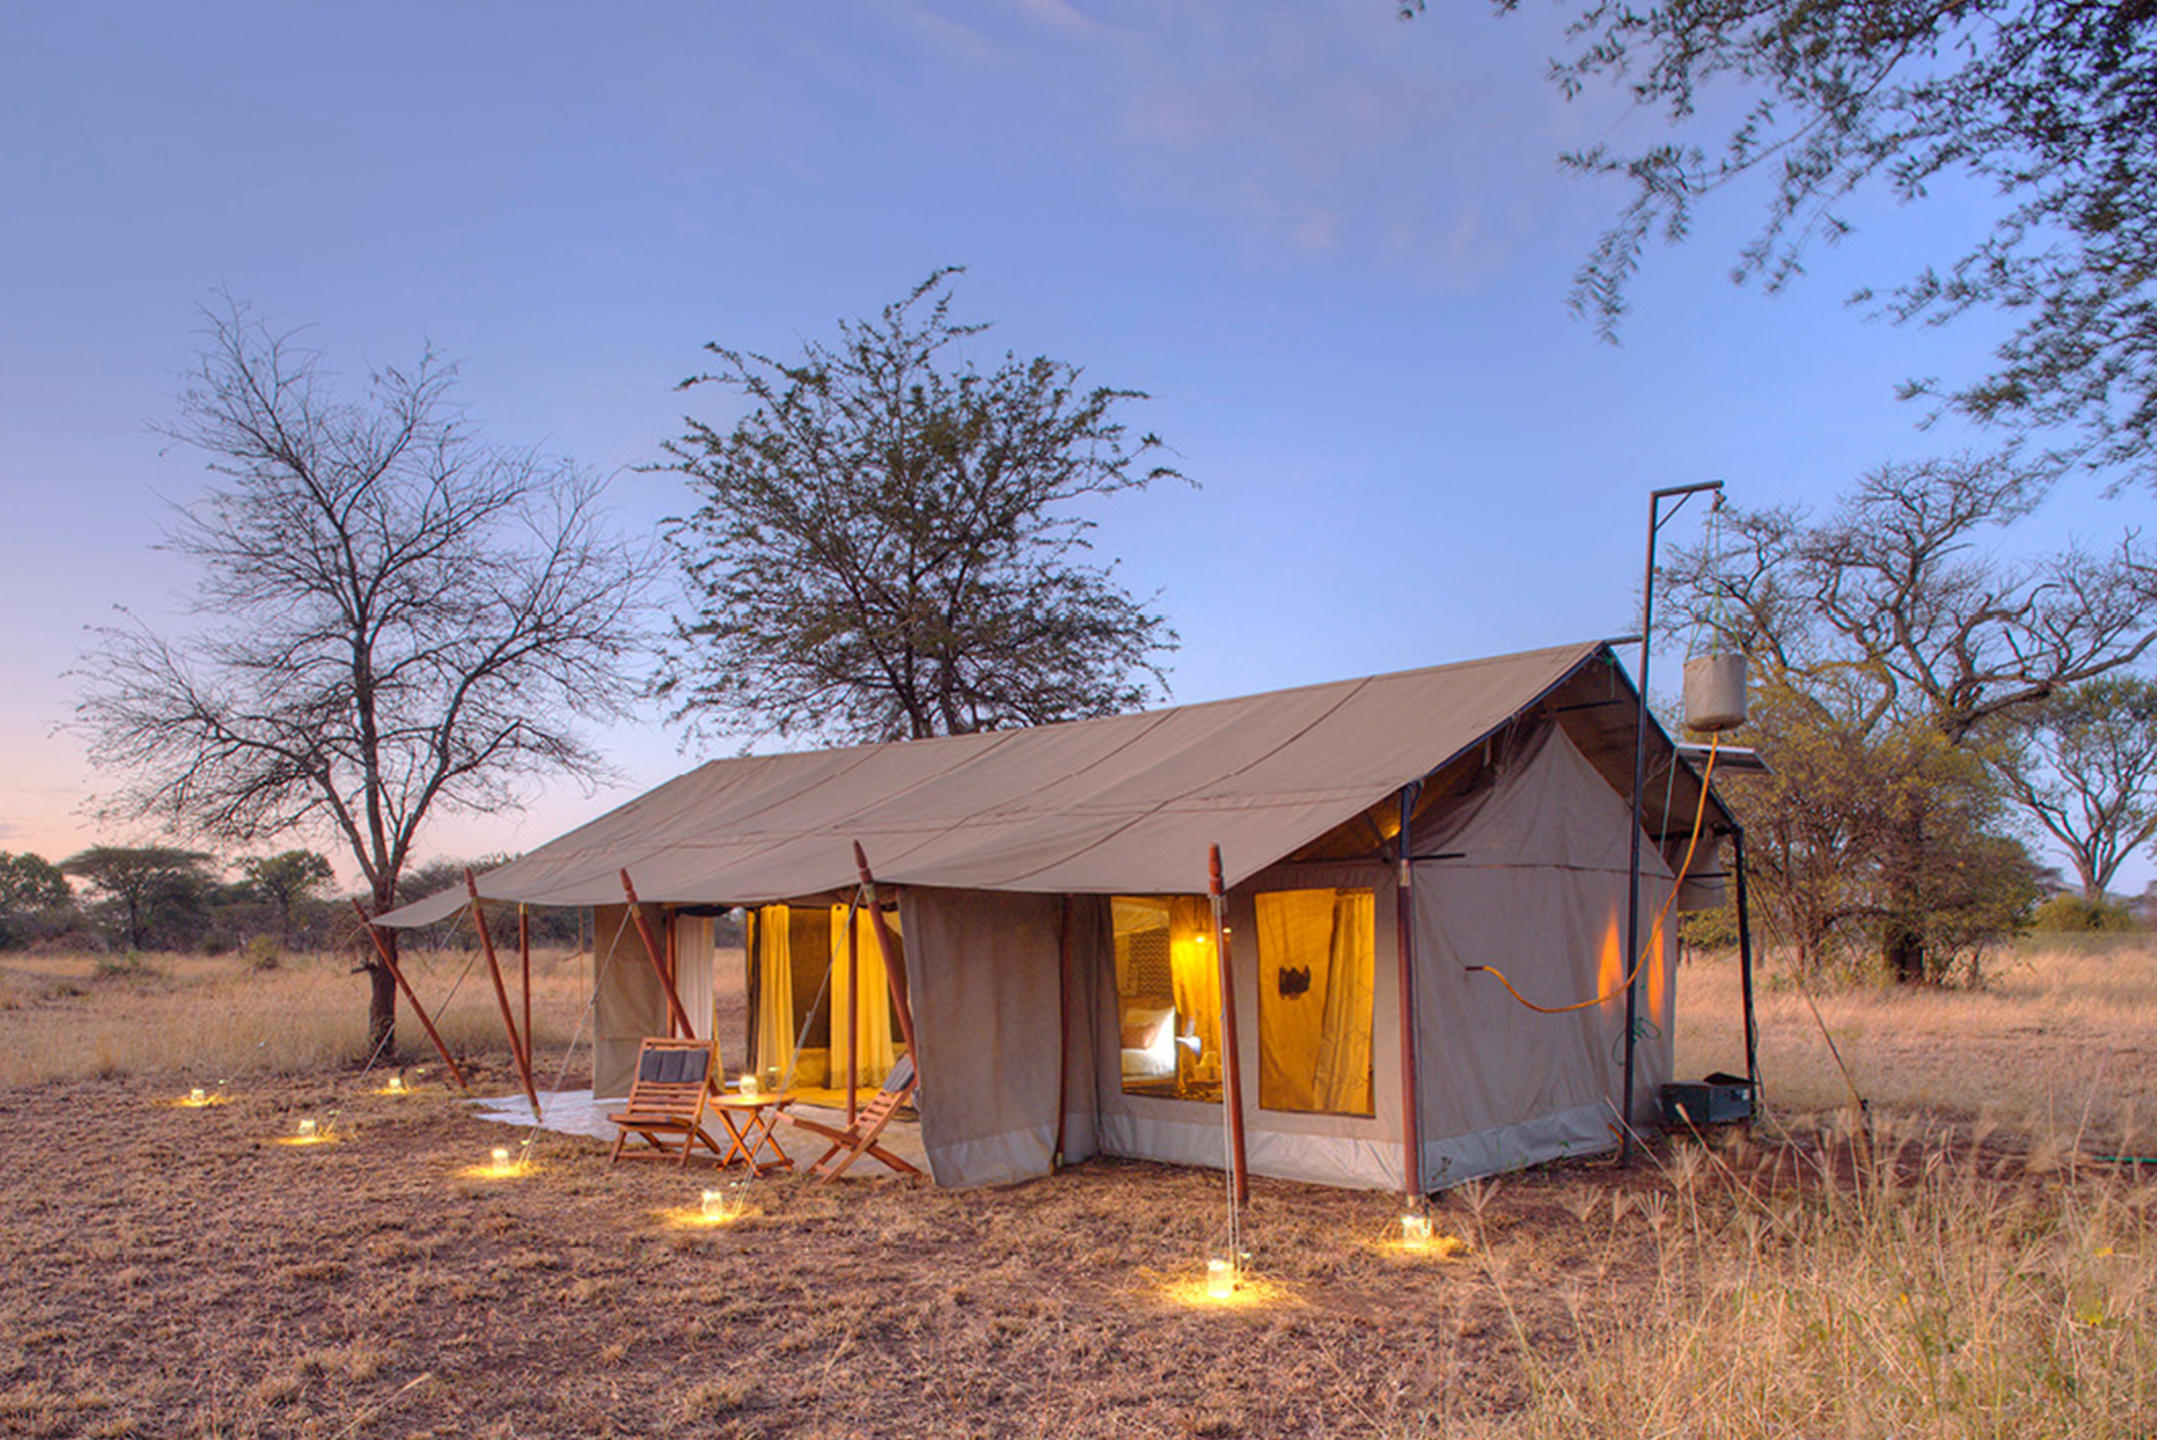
1905,952
382,993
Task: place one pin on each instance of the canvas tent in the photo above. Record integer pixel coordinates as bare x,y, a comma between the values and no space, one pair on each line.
1049,888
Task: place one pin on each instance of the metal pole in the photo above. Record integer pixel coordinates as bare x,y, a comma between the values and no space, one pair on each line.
1745,966
1404,923
1640,780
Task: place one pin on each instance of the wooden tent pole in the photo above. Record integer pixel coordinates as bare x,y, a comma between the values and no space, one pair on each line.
1231,1066
524,965
894,963
1404,923
679,1016
1063,1026
853,1008
501,992
389,961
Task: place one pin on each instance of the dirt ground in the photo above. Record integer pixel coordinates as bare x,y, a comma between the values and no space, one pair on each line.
176,1271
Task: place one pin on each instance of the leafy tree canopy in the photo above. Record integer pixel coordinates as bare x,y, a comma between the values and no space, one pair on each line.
891,543
2049,105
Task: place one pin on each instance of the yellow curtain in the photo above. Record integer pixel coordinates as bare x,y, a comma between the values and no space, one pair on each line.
1314,1002
1196,982
775,992
874,1055
1341,1084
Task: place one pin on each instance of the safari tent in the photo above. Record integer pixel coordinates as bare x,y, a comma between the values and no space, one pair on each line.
1386,842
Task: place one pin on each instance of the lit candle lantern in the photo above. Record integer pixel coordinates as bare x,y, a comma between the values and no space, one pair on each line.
1220,1278
309,1130
396,1084
1416,1231
501,1157
748,1086
198,1096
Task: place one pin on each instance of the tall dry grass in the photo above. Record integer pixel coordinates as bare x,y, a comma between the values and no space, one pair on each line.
1890,1288
73,1017
2058,1045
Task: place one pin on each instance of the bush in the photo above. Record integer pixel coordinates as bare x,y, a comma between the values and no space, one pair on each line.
2074,914
264,953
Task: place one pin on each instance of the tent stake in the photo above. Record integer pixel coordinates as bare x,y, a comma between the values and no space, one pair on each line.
501,992
651,953
1405,949
1745,965
894,964
389,961
1231,1068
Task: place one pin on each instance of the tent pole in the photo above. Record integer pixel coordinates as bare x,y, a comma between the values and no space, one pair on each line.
853,1007
389,960
1745,965
894,963
673,947
1405,950
501,991
1063,1026
651,952
524,960
1231,1068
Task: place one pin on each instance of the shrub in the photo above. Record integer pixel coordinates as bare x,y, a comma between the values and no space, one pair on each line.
2075,914
264,953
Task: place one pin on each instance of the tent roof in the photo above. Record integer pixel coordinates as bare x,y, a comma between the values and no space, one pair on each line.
1126,804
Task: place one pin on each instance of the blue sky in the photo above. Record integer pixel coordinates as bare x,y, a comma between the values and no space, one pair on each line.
1333,247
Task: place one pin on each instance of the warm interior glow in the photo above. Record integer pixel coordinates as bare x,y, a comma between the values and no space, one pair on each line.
1610,964
1415,1231
1220,1279
309,1128
198,1096
396,1084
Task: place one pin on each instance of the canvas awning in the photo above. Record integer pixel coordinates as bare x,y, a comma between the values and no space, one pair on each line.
1126,804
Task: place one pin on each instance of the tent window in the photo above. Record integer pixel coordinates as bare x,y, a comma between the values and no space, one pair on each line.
1168,998
1315,958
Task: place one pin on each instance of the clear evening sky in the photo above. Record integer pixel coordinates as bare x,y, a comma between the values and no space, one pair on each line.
1333,246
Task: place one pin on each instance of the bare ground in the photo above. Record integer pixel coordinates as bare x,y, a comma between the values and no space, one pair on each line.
177,1271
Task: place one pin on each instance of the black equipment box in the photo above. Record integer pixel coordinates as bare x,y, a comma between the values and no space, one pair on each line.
1717,1100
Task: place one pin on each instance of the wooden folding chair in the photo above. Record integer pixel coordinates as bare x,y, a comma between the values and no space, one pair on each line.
859,1139
675,1082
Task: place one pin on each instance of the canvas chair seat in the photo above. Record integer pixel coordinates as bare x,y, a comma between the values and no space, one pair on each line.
675,1082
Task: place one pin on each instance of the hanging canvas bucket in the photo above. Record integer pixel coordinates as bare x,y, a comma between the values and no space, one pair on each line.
1715,692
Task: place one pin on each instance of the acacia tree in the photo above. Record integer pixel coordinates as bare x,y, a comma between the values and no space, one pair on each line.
1887,618
154,894
2050,106
890,544
393,619
34,897
285,881
2084,764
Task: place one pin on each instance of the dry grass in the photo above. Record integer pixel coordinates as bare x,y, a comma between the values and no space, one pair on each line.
2059,1047
181,1274
190,1018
